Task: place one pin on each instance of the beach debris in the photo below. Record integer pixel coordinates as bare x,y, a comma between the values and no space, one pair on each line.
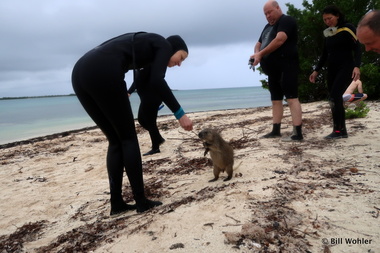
177,246
354,170
210,224
27,233
37,179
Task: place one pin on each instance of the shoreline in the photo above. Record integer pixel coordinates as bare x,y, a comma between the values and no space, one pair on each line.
36,117
289,197
45,137
83,129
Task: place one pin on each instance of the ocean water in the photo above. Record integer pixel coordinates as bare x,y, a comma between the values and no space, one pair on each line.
22,119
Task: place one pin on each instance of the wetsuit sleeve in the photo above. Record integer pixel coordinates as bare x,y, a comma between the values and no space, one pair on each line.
157,78
168,97
132,88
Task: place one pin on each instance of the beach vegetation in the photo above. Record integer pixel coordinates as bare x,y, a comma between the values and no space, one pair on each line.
310,45
359,111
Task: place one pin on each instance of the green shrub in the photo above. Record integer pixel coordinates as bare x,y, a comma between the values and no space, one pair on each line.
359,111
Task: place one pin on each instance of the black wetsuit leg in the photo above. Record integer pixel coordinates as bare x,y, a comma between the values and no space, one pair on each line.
102,93
147,117
339,78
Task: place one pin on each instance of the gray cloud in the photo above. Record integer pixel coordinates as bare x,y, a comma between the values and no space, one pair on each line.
42,39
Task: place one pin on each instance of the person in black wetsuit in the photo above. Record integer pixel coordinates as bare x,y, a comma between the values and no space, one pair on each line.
343,55
276,51
98,81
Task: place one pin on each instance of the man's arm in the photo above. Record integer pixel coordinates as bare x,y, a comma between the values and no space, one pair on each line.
277,42
257,47
280,39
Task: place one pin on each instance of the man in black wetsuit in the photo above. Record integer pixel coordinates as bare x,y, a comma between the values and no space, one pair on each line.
98,81
276,51
343,55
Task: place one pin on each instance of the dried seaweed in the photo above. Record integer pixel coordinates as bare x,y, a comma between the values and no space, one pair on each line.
29,232
186,166
46,137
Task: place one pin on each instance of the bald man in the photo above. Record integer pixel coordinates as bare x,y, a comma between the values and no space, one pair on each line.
276,51
368,31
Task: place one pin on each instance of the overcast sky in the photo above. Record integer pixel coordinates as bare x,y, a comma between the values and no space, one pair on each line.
42,39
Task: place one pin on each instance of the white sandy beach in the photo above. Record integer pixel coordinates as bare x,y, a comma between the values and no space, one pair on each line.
313,196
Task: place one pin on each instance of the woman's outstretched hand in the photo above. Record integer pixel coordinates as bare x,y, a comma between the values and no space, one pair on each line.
186,123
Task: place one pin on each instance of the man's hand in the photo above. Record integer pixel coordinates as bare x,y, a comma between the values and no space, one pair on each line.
257,58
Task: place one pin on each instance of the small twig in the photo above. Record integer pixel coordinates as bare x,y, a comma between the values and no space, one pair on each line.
181,139
209,224
312,234
232,225
175,192
188,134
237,221
286,224
351,230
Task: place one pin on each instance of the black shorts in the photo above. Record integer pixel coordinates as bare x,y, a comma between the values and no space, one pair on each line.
282,78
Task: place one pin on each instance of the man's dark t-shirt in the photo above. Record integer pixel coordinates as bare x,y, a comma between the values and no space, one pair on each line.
288,50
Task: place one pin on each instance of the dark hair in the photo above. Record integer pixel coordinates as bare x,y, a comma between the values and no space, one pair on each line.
334,10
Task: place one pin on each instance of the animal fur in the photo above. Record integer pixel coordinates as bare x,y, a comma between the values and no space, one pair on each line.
222,154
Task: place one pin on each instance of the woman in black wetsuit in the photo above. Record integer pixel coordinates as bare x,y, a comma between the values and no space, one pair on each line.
343,55
98,81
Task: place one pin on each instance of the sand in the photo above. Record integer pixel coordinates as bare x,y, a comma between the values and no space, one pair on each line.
312,196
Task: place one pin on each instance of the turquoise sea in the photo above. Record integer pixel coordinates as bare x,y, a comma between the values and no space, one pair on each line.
22,119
